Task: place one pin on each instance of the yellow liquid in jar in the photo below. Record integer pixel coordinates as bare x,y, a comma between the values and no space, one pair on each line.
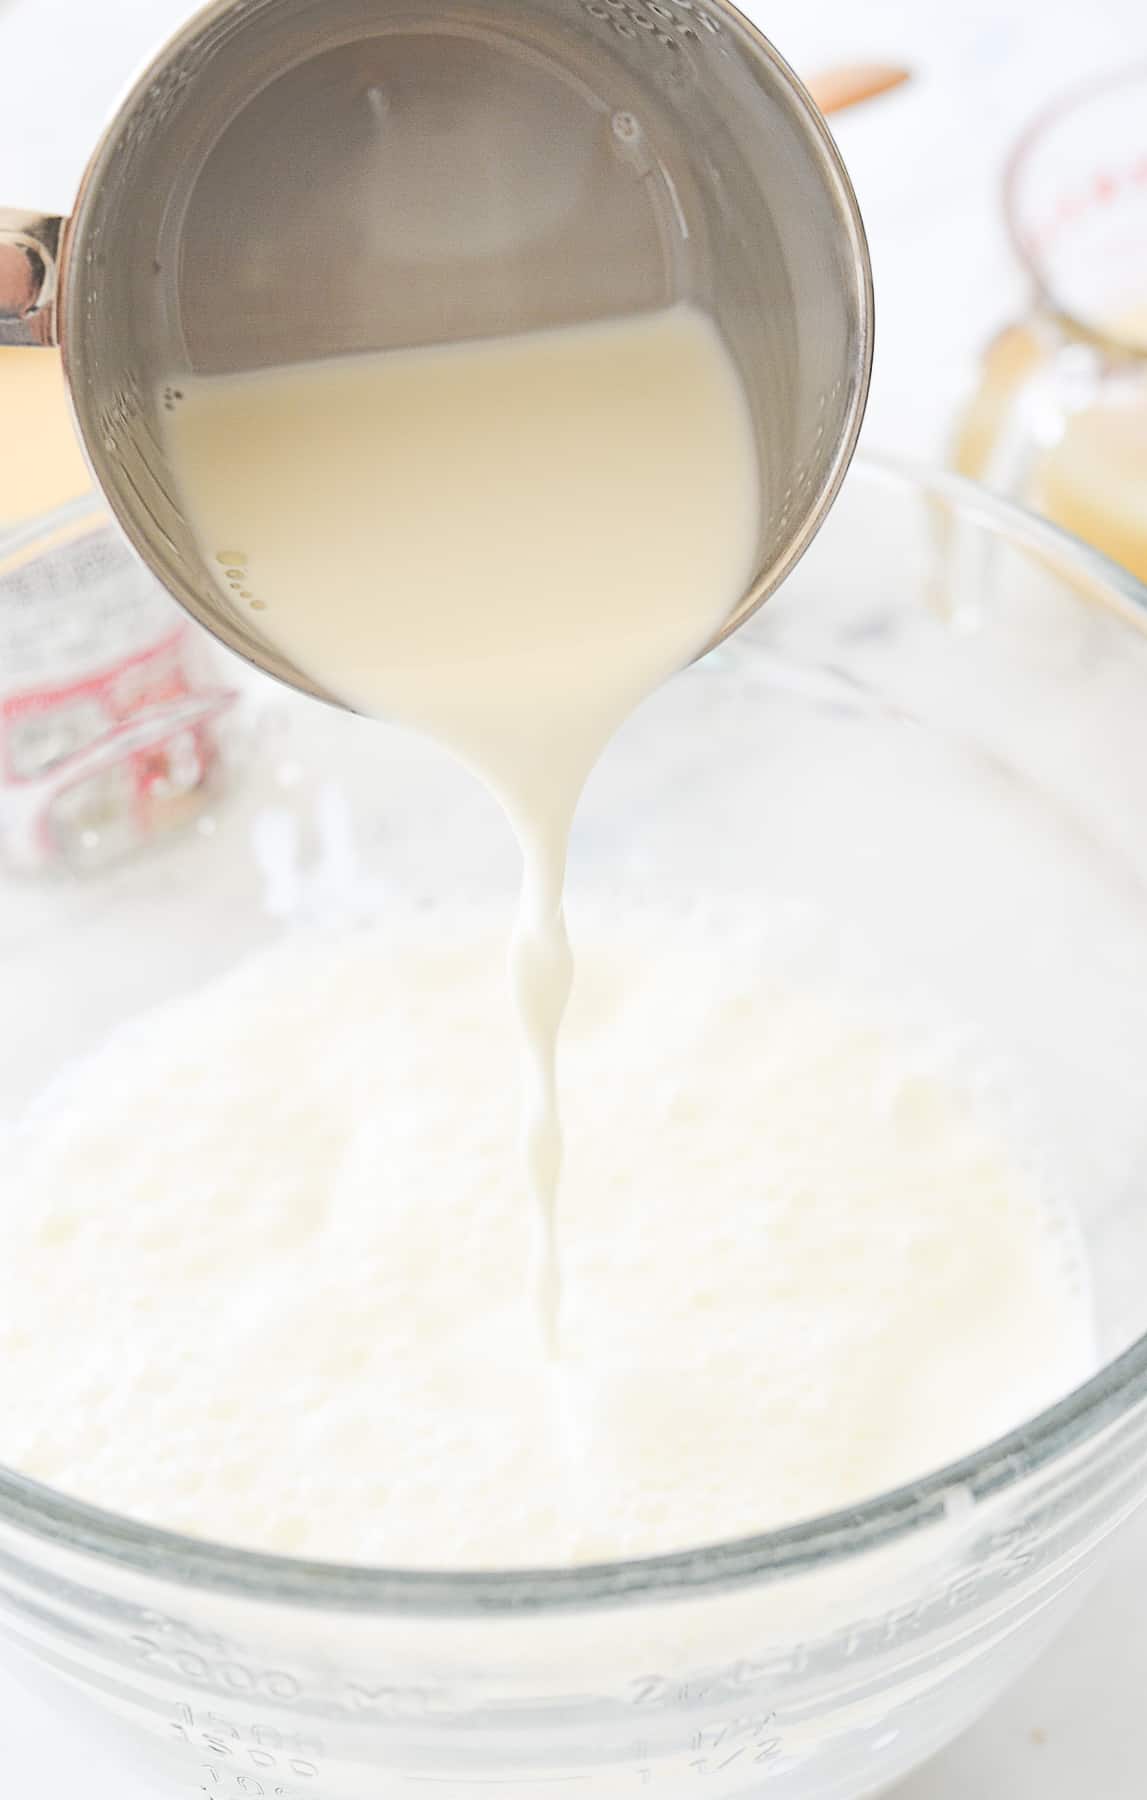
1094,480
43,465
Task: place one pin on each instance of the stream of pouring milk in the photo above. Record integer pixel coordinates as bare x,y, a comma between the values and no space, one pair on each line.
506,544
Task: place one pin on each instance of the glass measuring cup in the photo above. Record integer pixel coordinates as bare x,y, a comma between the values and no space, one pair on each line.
1059,419
967,796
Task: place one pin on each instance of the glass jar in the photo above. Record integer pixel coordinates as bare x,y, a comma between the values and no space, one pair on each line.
112,702
936,733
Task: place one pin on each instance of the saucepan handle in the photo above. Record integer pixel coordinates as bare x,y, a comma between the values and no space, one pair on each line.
29,258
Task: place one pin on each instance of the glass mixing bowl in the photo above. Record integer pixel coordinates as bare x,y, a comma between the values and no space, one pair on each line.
937,734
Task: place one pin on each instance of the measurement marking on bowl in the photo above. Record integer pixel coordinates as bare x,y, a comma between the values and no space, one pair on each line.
236,1677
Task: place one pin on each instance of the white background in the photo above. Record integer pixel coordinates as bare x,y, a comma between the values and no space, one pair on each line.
926,164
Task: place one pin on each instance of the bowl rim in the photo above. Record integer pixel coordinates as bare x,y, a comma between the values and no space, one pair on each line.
35,1510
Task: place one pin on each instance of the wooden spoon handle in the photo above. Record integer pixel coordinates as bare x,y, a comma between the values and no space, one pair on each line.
836,89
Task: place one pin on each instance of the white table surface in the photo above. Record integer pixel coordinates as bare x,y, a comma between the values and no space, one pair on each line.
926,165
